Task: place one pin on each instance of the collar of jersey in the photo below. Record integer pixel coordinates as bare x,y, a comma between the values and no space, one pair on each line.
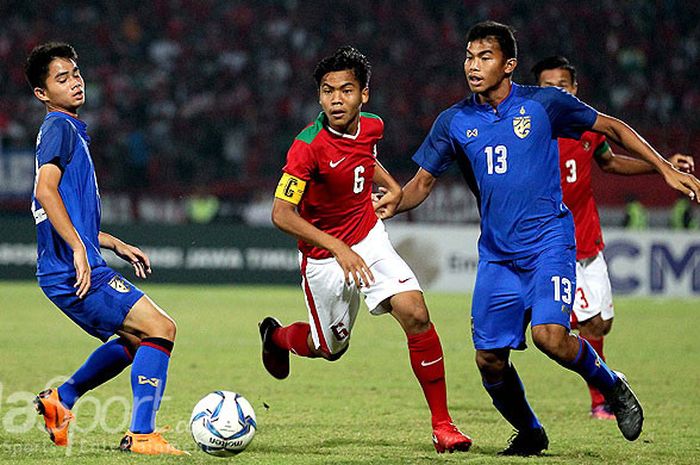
322,118
79,124
502,107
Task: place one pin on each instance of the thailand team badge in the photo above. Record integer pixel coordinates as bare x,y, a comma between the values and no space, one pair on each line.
522,124
118,284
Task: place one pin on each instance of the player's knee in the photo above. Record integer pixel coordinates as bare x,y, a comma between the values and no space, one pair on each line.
490,364
593,328
417,322
607,326
163,327
550,339
414,318
170,329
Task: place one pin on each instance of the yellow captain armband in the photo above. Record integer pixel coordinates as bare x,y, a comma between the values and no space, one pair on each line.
290,188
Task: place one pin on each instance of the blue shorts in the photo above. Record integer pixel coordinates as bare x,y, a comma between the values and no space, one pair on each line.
102,311
509,294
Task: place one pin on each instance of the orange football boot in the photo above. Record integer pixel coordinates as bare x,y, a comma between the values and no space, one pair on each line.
57,418
149,444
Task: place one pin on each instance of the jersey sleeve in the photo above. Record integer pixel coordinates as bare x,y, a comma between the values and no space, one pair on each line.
601,145
301,162
437,152
568,116
56,143
379,135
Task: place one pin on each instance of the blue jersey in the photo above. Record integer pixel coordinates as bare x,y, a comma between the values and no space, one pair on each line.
510,159
63,141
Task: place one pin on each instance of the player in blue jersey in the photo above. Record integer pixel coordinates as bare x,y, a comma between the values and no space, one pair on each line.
503,138
72,272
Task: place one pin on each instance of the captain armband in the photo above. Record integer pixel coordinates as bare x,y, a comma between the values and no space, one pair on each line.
290,188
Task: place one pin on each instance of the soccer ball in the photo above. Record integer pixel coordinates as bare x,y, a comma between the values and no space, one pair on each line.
223,423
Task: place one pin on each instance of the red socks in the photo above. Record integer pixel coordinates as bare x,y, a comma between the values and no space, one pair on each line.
424,350
596,396
293,338
428,365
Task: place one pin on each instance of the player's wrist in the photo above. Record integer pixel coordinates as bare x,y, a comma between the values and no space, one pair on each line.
336,247
78,247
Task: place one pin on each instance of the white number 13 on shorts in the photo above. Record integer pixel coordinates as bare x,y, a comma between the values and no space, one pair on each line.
562,289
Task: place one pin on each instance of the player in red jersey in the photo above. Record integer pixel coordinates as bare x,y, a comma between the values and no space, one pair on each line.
593,307
324,200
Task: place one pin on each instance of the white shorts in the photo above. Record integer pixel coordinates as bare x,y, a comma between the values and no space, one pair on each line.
333,305
593,291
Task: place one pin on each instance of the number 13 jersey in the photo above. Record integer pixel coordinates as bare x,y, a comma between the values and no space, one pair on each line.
338,170
510,160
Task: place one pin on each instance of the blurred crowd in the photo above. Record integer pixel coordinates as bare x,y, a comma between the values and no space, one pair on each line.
205,96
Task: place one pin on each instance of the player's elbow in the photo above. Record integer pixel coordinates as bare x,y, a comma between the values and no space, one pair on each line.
282,213
277,217
44,193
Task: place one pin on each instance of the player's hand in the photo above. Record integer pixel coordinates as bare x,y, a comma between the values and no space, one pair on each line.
354,267
385,202
682,162
82,271
683,182
138,259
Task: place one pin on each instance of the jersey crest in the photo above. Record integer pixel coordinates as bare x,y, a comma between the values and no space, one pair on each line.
118,284
522,124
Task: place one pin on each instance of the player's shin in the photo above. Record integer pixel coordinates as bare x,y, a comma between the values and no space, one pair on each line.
591,367
148,378
106,362
597,398
428,365
508,397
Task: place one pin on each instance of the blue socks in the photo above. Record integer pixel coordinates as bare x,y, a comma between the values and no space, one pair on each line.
106,362
509,398
148,376
591,367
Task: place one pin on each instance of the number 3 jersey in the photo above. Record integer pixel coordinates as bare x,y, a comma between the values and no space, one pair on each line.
575,158
510,159
338,170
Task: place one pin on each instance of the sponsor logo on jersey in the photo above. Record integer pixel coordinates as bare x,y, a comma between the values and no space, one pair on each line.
152,381
586,145
401,281
472,133
118,284
333,164
522,124
566,309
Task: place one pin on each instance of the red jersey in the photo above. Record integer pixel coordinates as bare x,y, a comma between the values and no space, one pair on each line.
338,170
575,159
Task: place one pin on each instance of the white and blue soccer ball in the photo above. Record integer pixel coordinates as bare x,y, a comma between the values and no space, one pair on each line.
223,423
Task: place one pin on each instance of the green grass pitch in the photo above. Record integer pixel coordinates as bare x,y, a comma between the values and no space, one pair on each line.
366,408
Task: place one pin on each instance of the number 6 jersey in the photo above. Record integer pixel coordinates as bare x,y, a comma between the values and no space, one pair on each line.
329,176
510,160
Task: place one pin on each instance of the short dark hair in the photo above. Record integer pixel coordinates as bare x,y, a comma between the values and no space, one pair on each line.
36,68
504,35
346,57
554,62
